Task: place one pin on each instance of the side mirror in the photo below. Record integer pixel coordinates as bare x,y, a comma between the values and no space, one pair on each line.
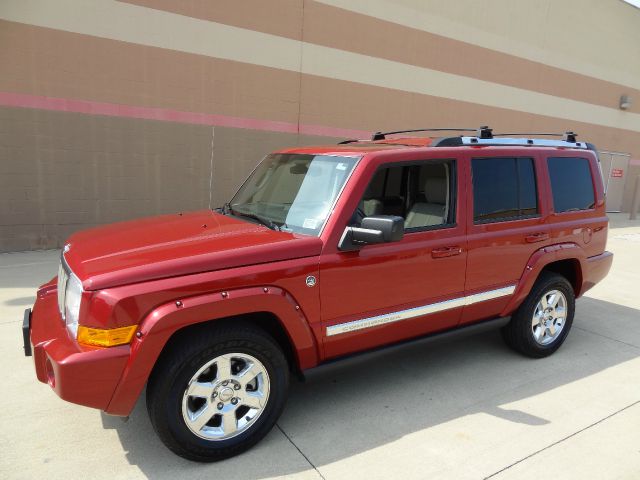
375,229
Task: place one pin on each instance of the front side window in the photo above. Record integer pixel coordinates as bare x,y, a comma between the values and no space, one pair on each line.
504,188
571,184
421,193
293,192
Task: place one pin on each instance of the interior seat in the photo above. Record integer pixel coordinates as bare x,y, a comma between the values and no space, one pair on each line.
371,206
432,210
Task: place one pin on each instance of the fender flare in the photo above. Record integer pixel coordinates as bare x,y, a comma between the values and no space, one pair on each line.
162,322
537,262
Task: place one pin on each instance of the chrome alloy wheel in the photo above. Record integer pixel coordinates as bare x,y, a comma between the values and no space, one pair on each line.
549,317
225,396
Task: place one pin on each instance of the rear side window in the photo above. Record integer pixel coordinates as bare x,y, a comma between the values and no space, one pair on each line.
571,184
503,189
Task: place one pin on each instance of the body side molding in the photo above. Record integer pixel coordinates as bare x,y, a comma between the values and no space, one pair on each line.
418,311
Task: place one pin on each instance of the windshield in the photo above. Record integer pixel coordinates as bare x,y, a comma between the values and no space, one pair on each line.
294,192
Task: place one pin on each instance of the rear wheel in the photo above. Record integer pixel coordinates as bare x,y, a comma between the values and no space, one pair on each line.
215,394
541,324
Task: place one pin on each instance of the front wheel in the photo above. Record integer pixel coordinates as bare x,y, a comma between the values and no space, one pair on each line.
215,394
541,324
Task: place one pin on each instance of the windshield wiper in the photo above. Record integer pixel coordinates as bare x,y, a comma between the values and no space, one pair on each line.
263,221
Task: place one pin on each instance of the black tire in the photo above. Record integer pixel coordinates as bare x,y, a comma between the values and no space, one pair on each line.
518,333
180,362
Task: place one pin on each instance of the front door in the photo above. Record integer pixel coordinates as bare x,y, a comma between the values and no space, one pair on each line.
389,292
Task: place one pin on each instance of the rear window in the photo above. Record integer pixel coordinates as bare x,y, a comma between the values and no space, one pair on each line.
571,184
503,189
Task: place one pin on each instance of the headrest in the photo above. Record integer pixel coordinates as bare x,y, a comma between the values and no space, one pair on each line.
435,190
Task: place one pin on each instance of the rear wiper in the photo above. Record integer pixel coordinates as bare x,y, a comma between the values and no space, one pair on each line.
263,221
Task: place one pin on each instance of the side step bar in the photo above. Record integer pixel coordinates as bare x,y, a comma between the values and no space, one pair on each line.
460,332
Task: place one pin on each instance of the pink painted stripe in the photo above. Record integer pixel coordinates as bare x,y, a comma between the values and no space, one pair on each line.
20,100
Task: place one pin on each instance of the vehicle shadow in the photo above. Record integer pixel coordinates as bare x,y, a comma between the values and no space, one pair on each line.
368,401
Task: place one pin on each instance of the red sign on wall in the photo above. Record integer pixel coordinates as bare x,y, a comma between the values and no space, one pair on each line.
617,173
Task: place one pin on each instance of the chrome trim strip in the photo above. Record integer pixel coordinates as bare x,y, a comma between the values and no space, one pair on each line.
419,311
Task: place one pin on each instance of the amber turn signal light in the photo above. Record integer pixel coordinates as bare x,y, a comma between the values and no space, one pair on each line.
105,338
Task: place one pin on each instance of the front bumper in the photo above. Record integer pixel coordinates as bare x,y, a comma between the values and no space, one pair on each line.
77,373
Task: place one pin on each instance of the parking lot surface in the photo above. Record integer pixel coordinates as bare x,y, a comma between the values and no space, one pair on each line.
464,409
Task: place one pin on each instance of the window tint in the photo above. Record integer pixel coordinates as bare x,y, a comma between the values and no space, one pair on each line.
571,184
420,193
503,188
528,196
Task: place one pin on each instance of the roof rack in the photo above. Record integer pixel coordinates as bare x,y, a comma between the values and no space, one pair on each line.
485,136
488,138
566,136
382,135
506,142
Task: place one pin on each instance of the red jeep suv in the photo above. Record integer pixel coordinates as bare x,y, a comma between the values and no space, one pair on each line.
323,252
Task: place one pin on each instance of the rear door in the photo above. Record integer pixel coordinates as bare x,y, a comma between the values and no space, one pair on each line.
389,292
506,224
577,208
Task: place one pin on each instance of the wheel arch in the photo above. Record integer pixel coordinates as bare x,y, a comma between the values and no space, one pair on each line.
271,309
265,321
566,259
569,268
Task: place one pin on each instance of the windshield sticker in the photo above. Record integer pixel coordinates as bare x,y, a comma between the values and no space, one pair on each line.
341,166
311,223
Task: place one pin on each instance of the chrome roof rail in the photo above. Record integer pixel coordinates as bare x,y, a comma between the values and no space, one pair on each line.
506,142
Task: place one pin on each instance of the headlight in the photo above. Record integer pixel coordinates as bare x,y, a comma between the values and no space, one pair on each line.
72,299
69,298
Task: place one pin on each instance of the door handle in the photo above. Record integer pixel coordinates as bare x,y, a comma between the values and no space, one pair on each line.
446,252
537,237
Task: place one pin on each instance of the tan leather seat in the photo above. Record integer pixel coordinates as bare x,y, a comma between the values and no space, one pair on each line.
432,211
372,206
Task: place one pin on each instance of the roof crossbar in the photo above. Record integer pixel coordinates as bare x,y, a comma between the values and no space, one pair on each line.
382,135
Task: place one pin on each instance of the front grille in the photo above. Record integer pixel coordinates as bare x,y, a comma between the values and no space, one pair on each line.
63,278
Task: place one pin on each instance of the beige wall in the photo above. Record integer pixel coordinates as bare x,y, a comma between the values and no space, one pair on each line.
107,108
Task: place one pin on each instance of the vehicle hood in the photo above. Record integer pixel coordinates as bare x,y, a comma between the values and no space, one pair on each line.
171,245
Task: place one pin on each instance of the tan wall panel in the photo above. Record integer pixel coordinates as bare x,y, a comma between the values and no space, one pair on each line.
44,61
597,38
140,25
63,172
376,108
346,30
277,17
337,28
69,171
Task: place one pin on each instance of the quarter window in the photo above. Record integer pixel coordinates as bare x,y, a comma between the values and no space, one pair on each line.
571,184
503,189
